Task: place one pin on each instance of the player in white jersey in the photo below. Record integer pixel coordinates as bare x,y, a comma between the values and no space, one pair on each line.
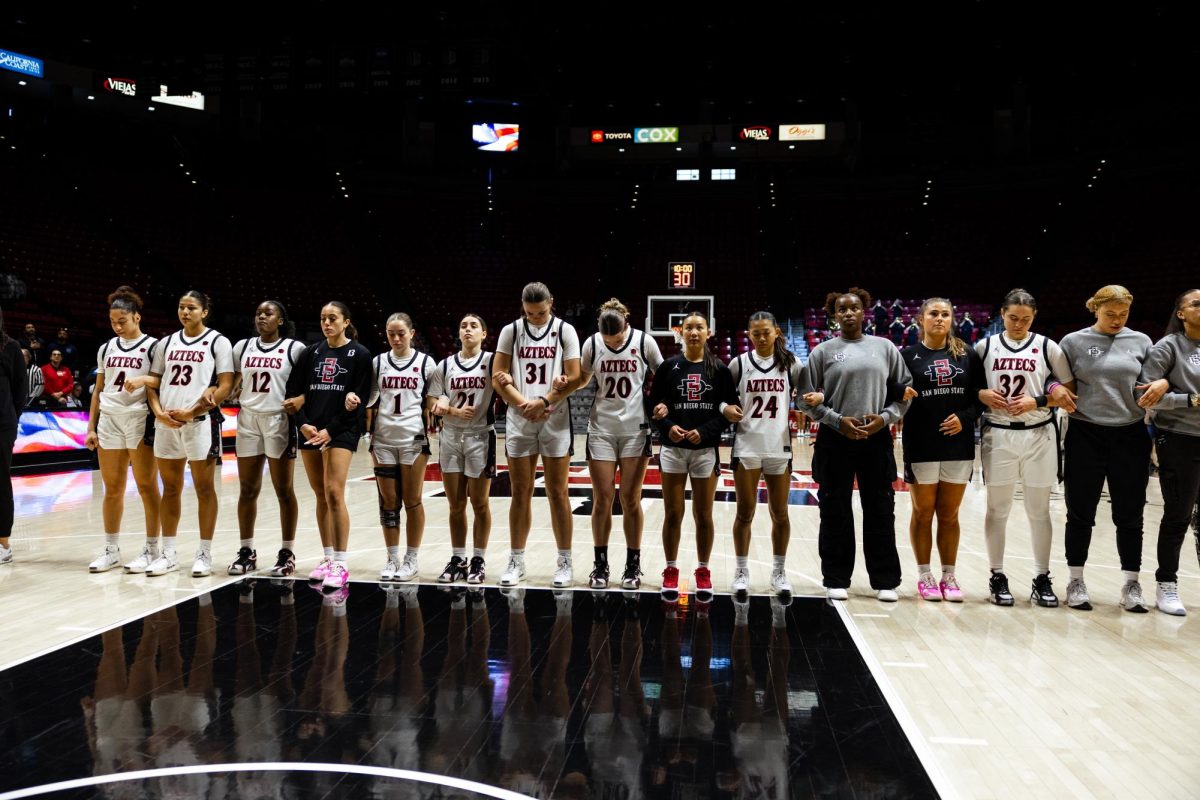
399,446
537,361
117,428
462,395
195,371
623,360
766,379
265,432
1020,438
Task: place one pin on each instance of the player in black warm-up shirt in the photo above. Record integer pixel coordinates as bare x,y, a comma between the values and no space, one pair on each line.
685,398
325,376
939,441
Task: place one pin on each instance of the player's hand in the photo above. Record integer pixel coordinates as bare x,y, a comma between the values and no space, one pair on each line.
535,409
813,399
1153,392
166,419
660,412
873,423
467,412
441,408
560,383
910,393
353,401
320,438
293,404
677,433
693,436
1021,404
993,399
951,425
180,415
209,398
502,379
733,413
851,428
133,384
1063,397
92,441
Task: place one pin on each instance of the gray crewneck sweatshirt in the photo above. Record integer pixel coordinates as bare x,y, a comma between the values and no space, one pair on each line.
1106,369
1176,358
854,375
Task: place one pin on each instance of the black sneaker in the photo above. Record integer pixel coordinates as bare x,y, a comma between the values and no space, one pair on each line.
246,561
632,577
998,586
285,564
456,570
1042,593
599,577
477,571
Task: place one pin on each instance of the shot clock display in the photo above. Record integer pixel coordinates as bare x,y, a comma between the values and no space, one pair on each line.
681,275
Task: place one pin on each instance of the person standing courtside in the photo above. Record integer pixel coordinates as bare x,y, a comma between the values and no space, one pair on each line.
12,400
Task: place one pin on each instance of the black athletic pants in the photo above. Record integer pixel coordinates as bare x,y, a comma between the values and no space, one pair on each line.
1122,456
1179,478
837,461
7,440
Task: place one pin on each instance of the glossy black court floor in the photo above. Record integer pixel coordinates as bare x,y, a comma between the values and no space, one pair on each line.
571,696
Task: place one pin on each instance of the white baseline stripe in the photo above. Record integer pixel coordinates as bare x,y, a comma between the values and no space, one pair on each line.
920,745
270,766
953,740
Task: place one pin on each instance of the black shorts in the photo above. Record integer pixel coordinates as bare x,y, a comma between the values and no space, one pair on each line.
346,440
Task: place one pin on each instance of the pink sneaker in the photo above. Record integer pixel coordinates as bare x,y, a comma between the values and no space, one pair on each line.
950,590
928,589
338,577
321,571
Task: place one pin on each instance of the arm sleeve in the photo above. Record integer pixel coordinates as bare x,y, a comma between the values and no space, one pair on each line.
504,344
570,342
297,382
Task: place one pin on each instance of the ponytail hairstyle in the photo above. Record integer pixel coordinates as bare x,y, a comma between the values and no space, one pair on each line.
287,326
536,292
955,345
124,298
400,316
614,317
1175,324
784,358
1018,297
863,296
344,310
711,362
200,297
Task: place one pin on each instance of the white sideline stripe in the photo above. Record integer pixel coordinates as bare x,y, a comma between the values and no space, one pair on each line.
920,744
269,766
875,616
953,740
905,664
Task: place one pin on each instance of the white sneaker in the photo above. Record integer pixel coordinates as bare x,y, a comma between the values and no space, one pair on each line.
1132,599
168,561
741,581
202,566
837,594
143,561
779,582
514,572
408,568
5,554
1077,595
564,576
1168,599
110,557
886,595
388,573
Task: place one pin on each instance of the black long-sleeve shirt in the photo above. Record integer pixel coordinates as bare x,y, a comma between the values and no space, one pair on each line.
945,385
693,400
324,375
13,385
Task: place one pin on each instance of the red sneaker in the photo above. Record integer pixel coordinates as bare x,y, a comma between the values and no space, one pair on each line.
704,590
670,583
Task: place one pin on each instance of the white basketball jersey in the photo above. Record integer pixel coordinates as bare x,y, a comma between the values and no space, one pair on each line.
466,384
119,360
188,368
619,408
537,359
398,396
1020,368
265,369
766,398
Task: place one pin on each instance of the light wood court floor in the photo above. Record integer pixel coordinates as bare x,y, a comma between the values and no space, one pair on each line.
1006,702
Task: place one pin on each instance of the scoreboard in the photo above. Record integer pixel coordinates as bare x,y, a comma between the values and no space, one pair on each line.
681,275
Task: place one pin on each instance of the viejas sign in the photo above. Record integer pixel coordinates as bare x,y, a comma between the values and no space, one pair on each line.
123,86
755,133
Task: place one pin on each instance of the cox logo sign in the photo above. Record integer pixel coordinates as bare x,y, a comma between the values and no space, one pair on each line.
756,133
655,135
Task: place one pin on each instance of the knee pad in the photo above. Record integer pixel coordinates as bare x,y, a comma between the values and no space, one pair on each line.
389,517
391,471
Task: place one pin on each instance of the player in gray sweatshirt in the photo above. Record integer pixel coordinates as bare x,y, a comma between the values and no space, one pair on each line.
1172,371
854,372
1106,439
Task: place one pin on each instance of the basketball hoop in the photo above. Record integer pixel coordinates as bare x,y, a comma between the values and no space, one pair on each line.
678,331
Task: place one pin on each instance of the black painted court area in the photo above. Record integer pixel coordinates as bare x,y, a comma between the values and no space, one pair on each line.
578,695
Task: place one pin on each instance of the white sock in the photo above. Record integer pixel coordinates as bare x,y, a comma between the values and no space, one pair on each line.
394,552
999,504
479,552
289,544
410,553
947,569
248,543
339,557
565,554
672,563
1131,577
168,546
702,565
328,552
519,554
743,562
206,547
154,543
461,552
111,539
922,569
1076,572
780,563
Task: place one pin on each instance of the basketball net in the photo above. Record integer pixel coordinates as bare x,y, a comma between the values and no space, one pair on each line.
678,331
